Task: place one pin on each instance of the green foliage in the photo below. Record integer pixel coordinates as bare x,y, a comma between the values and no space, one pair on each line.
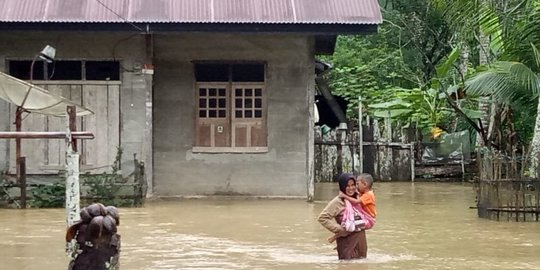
368,67
411,42
48,196
105,187
424,108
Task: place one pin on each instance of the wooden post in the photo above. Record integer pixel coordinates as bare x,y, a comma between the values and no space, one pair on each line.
147,157
71,111
21,171
462,163
412,162
360,137
72,178
388,150
18,159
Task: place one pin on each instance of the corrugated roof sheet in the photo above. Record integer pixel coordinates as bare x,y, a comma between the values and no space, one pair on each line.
192,11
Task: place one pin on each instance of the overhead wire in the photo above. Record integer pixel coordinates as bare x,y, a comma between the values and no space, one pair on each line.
120,16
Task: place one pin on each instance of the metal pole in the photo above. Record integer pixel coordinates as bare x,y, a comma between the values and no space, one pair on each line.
360,137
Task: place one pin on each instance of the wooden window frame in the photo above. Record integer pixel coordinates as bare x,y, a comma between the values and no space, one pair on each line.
232,122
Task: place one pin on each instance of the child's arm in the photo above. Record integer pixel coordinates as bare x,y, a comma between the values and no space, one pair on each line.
349,198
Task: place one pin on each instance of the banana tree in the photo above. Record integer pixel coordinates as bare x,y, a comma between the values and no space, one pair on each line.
431,107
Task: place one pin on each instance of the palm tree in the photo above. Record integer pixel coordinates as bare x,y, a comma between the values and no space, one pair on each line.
513,27
513,84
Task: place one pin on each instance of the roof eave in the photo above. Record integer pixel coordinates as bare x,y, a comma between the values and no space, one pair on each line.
305,28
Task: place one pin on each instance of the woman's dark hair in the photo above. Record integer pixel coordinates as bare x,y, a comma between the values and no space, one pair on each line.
343,180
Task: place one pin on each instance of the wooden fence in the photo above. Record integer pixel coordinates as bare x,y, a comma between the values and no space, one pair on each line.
503,192
387,151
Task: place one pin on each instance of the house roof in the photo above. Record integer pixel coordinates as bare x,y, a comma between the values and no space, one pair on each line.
323,19
192,11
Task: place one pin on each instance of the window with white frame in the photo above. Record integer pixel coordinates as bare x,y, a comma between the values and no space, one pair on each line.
230,107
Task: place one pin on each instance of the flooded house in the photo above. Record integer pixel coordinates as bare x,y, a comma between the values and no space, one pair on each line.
216,97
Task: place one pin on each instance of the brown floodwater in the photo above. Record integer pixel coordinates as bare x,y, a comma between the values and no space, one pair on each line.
420,226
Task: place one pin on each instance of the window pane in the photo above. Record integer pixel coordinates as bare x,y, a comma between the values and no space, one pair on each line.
222,113
202,92
249,92
212,103
102,70
238,103
248,114
212,92
212,72
258,113
212,113
238,114
222,103
222,92
21,70
258,103
258,92
248,103
238,92
248,73
202,113
65,70
202,103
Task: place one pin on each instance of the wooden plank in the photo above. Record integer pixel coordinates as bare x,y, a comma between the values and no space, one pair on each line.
55,150
113,122
240,135
204,134
199,149
74,82
258,135
102,139
89,97
221,133
76,96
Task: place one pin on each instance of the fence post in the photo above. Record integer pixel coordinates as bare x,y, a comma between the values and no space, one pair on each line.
360,137
412,161
21,171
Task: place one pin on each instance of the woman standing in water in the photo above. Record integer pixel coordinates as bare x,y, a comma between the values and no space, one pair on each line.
350,245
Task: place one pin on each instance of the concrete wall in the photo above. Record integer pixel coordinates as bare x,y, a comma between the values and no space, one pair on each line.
283,170
128,48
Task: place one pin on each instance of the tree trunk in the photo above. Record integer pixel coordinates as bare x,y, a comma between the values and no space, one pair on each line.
535,145
484,102
463,64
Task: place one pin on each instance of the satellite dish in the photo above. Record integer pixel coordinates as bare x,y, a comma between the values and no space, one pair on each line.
36,99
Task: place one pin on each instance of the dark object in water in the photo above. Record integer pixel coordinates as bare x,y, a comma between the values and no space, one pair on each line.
97,244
